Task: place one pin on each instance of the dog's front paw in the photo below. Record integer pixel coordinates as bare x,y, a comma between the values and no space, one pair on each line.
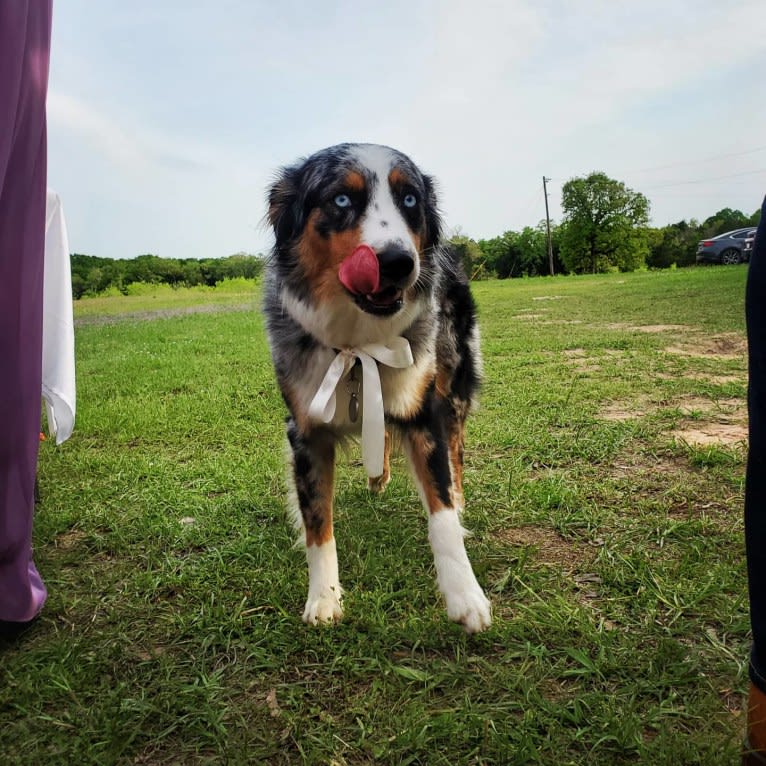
469,607
324,607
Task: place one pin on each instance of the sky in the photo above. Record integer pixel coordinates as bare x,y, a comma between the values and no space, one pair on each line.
168,120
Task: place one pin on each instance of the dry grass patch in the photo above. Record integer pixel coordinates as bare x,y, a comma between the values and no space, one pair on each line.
620,411
724,346
651,328
705,434
725,421
70,539
548,545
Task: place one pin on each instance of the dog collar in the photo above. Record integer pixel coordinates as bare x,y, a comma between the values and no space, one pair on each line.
322,407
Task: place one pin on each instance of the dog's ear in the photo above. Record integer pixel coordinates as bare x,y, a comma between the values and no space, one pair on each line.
285,209
432,216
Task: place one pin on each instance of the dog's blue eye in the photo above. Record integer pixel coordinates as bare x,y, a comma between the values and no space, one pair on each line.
410,200
343,200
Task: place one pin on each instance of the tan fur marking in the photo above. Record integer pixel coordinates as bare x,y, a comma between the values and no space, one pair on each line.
354,181
321,257
416,400
397,177
293,404
319,539
378,483
421,447
456,447
443,382
321,502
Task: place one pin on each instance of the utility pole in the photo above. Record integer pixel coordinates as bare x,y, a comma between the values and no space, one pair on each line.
548,226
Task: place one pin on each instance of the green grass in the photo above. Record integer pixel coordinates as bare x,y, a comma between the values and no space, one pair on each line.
610,544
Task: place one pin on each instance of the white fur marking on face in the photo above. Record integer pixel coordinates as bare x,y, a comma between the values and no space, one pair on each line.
465,600
383,224
324,600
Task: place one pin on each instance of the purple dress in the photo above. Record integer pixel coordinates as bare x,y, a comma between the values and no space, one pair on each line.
25,27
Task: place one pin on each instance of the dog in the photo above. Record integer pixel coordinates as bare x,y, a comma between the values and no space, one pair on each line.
373,331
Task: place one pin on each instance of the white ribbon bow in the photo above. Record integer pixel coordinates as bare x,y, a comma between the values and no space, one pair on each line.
322,407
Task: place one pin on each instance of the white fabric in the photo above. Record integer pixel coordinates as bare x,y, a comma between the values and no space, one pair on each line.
58,324
322,406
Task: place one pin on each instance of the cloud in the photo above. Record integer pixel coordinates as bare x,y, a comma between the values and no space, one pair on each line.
132,150
486,95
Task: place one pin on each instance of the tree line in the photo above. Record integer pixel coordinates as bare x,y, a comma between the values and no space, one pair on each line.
92,274
605,227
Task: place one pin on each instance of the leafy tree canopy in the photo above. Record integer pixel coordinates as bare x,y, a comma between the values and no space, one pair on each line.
604,225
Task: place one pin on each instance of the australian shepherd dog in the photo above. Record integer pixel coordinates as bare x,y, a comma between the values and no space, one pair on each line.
373,334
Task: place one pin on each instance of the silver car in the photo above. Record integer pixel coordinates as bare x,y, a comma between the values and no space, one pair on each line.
727,248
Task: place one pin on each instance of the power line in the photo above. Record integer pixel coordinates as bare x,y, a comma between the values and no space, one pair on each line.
706,180
691,162
698,162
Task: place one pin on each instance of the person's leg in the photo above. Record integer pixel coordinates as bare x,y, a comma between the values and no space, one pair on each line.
755,490
24,56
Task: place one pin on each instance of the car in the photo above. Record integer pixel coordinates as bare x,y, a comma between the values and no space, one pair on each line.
727,248
747,247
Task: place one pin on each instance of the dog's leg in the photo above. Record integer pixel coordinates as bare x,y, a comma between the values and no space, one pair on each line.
379,483
313,462
428,448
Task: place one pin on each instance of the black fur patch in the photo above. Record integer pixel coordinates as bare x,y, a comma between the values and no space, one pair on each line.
313,457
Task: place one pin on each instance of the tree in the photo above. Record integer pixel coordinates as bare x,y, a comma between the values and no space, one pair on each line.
675,244
724,220
604,225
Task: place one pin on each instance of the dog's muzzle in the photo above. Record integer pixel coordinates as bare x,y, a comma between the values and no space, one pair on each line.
376,280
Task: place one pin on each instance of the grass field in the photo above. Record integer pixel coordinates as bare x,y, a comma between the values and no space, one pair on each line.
604,487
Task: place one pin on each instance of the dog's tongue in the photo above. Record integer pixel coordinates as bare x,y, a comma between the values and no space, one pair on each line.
359,272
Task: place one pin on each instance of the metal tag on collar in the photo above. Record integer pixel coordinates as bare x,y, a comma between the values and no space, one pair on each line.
352,386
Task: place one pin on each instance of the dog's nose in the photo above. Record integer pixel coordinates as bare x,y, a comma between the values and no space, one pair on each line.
396,263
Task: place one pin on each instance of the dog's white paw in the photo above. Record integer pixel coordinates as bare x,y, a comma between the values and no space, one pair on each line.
324,607
325,594
470,607
465,600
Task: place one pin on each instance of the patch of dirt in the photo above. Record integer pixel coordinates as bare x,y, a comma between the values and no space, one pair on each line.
615,412
71,539
706,421
528,316
563,321
622,411
725,346
581,361
725,421
706,434
548,298
715,380
722,408
649,469
650,328
550,547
